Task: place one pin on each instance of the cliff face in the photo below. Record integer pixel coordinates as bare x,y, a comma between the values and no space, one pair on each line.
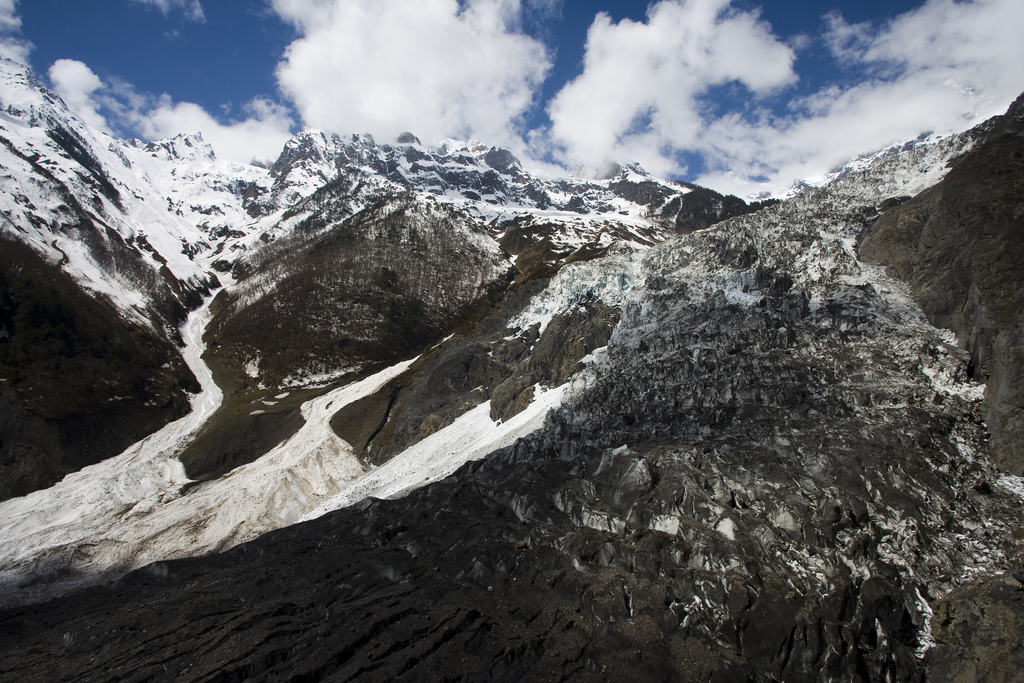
960,247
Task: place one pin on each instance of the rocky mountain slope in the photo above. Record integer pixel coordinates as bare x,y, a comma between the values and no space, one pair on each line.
958,245
149,230
751,452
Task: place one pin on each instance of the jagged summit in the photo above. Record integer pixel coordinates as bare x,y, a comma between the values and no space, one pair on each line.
188,146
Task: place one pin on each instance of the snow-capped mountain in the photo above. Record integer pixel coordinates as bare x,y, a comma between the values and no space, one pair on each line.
152,229
516,427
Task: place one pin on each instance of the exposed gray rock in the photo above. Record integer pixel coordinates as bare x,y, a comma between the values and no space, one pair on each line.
335,300
978,630
960,247
511,397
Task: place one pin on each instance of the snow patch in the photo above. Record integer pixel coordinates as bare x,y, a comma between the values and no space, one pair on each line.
727,528
470,437
1013,484
131,510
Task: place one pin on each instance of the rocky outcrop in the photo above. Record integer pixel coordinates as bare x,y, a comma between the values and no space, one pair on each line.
78,383
684,207
960,247
494,361
977,629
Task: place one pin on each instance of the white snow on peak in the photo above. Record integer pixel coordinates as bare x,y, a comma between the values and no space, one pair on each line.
864,162
58,174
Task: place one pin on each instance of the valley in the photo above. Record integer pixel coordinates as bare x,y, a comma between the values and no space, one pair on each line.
455,421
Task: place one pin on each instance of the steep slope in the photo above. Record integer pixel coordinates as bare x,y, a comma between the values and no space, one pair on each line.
776,470
329,303
959,247
327,293
380,284
487,181
68,227
79,383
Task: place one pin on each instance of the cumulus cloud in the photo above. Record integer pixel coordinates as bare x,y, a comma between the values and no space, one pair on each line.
436,67
9,19
12,44
261,136
77,85
647,89
117,107
639,96
944,66
192,9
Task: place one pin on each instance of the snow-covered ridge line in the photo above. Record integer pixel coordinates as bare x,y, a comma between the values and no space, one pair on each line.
179,208
864,162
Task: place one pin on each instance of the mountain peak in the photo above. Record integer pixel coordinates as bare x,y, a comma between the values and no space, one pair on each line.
23,97
188,146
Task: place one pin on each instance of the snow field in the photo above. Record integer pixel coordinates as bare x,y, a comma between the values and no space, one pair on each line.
471,437
129,511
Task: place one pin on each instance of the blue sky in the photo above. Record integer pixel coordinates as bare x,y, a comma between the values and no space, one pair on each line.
741,96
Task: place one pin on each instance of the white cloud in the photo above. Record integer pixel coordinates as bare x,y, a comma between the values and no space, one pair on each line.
644,90
193,10
9,19
434,67
77,85
944,66
12,44
260,136
977,44
119,107
638,97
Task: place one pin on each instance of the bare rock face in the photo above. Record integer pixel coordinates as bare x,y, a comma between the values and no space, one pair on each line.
686,207
78,384
978,630
489,362
960,247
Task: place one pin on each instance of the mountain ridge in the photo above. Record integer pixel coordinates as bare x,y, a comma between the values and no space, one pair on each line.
154,227
590,451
